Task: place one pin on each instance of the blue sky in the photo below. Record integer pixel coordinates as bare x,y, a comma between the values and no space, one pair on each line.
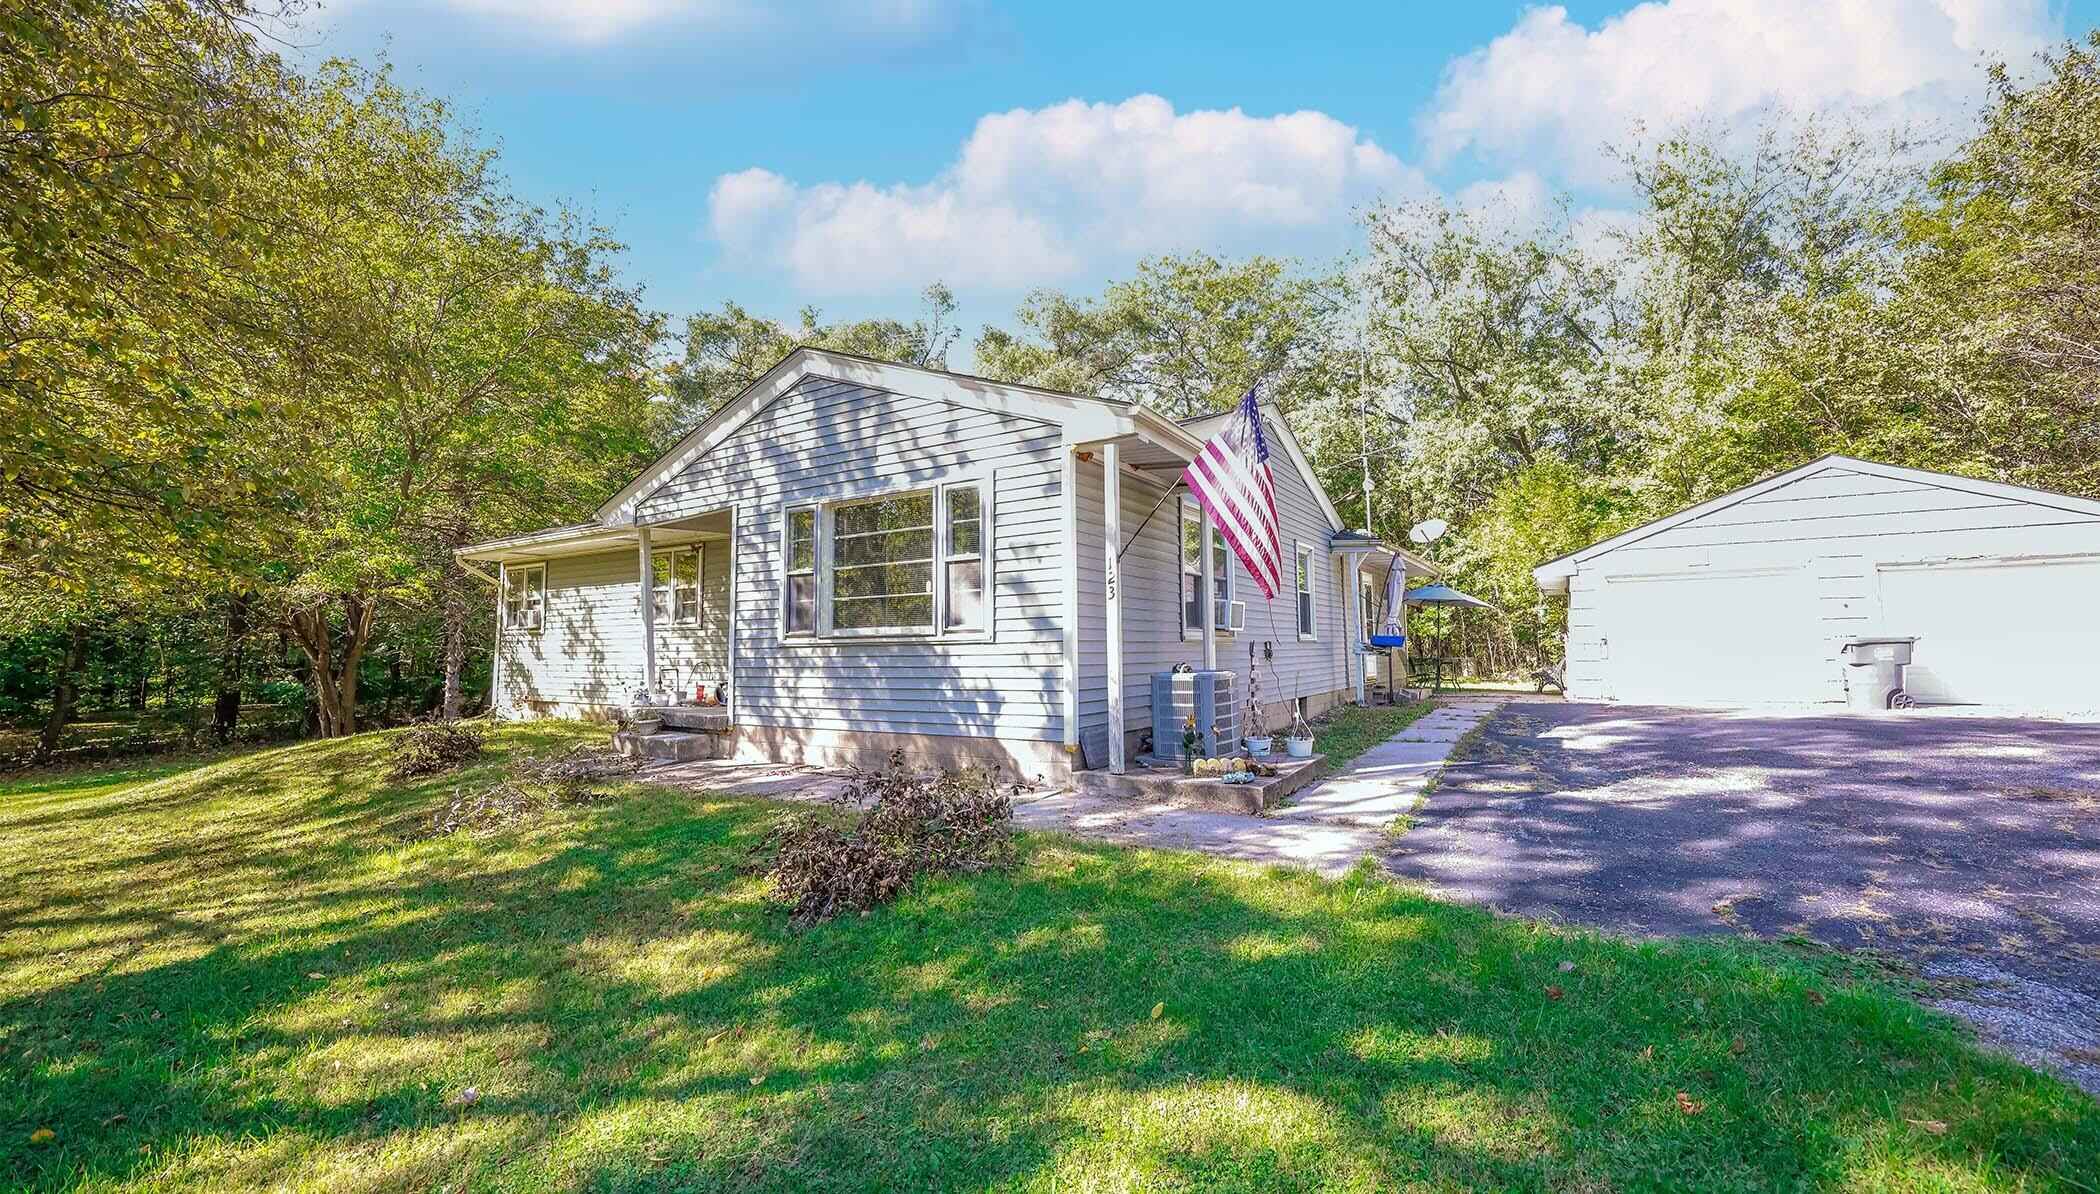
842,153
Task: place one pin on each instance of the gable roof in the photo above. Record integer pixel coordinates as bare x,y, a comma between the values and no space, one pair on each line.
1552,575
1085,415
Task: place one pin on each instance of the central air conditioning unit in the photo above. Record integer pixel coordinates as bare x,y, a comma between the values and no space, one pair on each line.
1205,696
1230,615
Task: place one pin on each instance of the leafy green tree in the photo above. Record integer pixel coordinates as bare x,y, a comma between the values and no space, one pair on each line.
127,130
464,367
728,349
2005,262
1187,335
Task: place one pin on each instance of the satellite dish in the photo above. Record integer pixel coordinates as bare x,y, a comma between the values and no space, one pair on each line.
1428,532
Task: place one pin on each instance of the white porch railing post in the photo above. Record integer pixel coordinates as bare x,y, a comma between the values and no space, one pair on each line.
1112,518
648,595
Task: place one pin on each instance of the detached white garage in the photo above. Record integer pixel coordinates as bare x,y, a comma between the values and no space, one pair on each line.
1749,598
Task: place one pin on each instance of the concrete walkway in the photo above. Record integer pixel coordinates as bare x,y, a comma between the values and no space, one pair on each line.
1385,782
1328,829
1329,849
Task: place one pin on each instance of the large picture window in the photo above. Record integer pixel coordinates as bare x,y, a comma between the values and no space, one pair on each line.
882,563
524,597
911,563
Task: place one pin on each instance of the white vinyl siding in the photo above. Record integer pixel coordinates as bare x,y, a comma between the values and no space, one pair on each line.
828,441
588,655
1153,635
1832,555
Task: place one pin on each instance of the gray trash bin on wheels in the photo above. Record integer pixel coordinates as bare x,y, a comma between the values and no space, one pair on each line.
1874,672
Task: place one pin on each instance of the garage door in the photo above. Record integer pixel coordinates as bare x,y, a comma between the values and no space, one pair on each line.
1730,638
2022,635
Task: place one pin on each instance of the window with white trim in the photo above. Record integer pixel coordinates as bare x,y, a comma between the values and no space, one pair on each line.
524,597
1193,600
676,584
1308,626
962,547
798,591
914,563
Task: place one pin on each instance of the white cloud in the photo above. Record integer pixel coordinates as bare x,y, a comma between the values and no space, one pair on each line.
1036,195
1552,92
706,36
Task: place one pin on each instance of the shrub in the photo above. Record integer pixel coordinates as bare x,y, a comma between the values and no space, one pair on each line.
533,786
822,864
430,747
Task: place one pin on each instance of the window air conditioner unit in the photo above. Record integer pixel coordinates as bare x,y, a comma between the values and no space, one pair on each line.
1231,615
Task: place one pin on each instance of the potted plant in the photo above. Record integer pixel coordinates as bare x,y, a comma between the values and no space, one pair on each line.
1300,743
646,725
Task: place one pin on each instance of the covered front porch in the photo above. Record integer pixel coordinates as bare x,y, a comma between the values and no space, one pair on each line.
596,620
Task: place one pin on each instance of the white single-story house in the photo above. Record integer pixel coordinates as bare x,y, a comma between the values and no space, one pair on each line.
1749,598
872,555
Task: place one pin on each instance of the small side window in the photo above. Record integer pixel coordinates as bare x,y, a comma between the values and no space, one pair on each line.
799,595
524,597
1193,598
963,540
1308,626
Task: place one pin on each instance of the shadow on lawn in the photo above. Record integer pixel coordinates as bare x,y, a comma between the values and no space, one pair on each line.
633,1016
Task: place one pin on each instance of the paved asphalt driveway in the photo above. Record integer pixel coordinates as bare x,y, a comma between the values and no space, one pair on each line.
1969,847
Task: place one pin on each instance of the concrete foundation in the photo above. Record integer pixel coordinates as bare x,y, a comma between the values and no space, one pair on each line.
1162,785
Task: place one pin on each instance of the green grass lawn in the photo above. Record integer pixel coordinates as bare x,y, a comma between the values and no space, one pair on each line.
1350,730
246,973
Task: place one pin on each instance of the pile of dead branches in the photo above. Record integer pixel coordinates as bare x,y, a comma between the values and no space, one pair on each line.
533,786
885,829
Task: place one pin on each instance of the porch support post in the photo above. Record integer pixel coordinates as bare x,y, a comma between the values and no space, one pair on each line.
1210,595
648,598
1112,519
1354,618
1068,478
729,624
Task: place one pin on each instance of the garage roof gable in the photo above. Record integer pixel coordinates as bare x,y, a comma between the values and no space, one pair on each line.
1552,576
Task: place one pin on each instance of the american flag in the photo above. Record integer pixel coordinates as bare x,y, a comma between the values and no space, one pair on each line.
1230,476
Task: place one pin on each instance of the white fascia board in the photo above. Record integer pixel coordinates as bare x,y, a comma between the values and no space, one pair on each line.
1552,577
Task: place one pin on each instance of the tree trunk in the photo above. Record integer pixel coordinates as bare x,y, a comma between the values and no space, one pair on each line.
65,691
453,580
455,651
226,705
334,656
